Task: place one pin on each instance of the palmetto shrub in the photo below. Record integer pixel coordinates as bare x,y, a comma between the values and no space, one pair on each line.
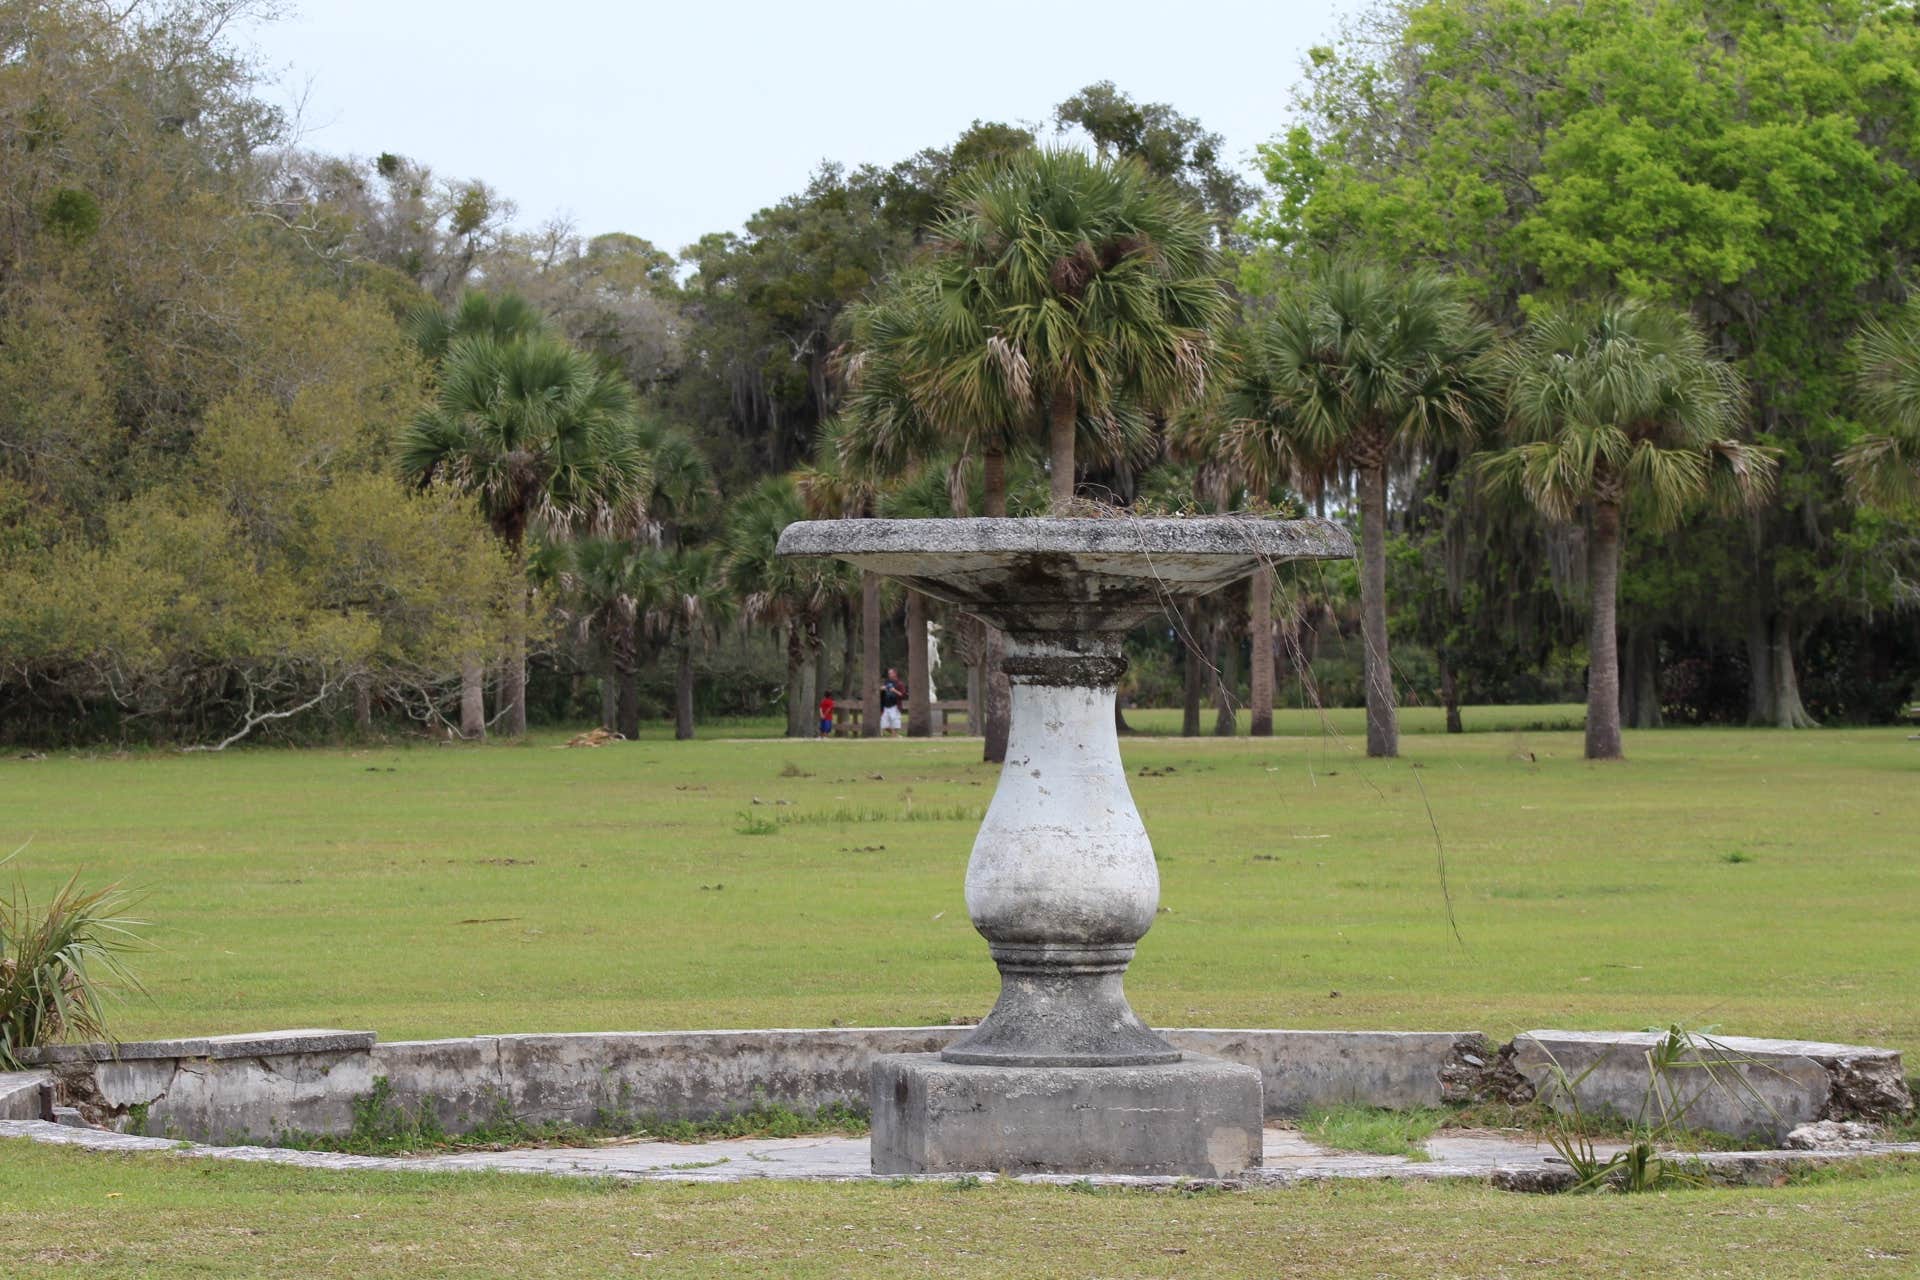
61,963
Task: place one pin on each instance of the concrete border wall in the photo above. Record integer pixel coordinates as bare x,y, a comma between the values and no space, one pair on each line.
1739,1085
235,1088
588,1077
20,1095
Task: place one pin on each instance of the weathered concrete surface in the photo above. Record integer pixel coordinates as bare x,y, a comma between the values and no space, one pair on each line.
20,1094
1833,1135
458,1080
208,1088
700,1074
1288,1159
1196,1118
217,1088
1750,1088
674,1075
248,1044
1061,883
1066,575
245,1099
1300,1070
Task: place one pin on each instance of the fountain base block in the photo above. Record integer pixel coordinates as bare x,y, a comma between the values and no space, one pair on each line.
1195,1118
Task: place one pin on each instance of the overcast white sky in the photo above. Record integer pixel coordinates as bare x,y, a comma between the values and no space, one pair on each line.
671,120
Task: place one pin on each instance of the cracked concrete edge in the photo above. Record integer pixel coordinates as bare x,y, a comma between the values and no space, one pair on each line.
1862,1082
25,1095
249,1044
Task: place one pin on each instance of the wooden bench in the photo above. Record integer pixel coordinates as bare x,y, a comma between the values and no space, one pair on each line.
846,716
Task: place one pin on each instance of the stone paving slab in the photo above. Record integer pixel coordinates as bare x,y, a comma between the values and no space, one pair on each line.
1290,1158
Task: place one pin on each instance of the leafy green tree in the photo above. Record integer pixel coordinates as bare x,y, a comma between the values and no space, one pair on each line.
1171,145
764,306
1357,367
1615,407
1749,162
534,432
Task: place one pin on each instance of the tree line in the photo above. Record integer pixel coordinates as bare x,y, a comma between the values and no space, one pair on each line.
1616,385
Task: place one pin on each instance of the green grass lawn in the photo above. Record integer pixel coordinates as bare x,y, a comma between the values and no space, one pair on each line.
1759,882
451,890
85,1214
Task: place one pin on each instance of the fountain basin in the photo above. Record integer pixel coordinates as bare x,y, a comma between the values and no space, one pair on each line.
1065,576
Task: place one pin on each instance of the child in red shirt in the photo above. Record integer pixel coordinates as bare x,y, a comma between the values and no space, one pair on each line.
826,715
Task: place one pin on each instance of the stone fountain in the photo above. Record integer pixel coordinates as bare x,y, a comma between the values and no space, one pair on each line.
1062,1076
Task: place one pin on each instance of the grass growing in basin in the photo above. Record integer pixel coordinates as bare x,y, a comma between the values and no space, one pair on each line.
1374,1129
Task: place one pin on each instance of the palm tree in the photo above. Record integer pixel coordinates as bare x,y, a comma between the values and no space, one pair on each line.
1613,408
504,317
536,434
843,482
1080,289
776,591
602,578
691,597
924,382
1357,365
680,483
1884,467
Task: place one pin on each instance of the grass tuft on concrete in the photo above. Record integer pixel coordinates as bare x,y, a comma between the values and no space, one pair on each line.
1373,1129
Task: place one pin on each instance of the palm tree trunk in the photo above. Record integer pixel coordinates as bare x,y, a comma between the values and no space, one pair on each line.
1603,654
473,698
363,706
1060,424
627,702
1383,724
849,648
997,713
1449,693
797,708
610,696
1286,644
996,717
809,701
976,693
919,687
822,681
1226,688
1260,671
683,692
869,655
513,678
1193,672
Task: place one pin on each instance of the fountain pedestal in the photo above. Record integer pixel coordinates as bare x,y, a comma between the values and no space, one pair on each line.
1062,1076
